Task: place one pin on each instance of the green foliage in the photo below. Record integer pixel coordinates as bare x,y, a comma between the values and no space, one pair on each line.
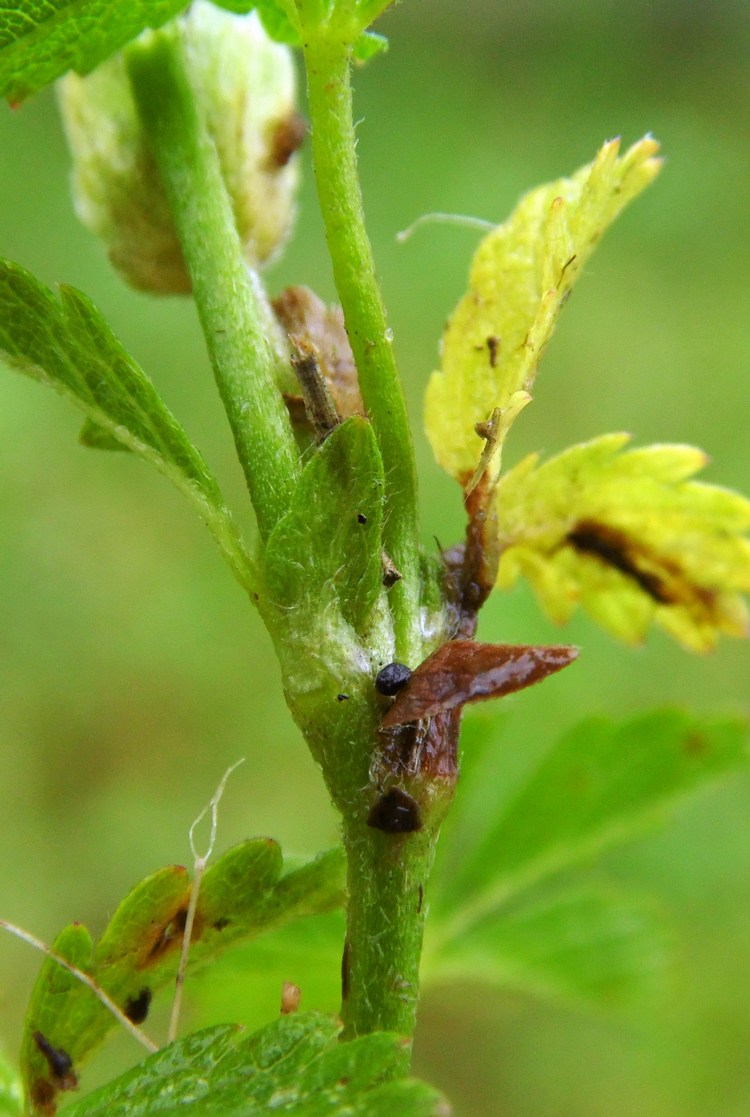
42,39
631,537
521,275
335,522
244,894
600,785
587,944
68,346
295,1065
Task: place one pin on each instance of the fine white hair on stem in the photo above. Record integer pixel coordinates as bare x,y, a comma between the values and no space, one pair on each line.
199,865
445,219
136,1032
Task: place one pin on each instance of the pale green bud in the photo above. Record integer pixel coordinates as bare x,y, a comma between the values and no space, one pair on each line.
245,86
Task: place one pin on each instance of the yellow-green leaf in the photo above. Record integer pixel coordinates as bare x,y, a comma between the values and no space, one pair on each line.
630,537
520,277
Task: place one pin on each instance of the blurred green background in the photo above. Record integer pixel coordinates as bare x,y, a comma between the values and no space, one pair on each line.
132,671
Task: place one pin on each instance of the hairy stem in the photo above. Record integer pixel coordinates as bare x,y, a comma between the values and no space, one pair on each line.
387,884
328,73
225,295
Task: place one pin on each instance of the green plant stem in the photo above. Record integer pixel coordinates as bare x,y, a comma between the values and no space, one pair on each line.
225,295
333,139
387,881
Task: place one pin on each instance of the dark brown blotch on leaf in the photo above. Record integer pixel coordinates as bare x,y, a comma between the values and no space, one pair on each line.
58,1060
136,1008
287,137
396,812
464,671
168,936
616,549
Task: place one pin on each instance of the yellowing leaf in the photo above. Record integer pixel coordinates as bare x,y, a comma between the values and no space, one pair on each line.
521,275
630,537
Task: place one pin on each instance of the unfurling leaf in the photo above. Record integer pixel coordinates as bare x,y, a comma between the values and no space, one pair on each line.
630,537
464,671
521,275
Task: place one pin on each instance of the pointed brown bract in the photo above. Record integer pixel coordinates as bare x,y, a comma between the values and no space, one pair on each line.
464,671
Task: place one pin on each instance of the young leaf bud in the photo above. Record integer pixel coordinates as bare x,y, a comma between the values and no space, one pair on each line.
244,84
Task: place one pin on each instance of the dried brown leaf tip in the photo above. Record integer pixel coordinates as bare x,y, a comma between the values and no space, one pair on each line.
464,671
319,329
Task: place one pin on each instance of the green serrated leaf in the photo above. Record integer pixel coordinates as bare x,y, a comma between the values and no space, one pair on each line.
335,522
11,1090
42,39
521,275
589,944
243,894
602,783
630,537
295,1065
69,346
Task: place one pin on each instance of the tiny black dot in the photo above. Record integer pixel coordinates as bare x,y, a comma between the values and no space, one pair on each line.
392,678
342,697
361,518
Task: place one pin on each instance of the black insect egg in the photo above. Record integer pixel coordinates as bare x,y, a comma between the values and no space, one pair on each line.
392,678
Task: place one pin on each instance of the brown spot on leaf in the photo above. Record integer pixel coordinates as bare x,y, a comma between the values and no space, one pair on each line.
616,549
464,671
43,1095
695,744
493,348
167,936
287,137
662,578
